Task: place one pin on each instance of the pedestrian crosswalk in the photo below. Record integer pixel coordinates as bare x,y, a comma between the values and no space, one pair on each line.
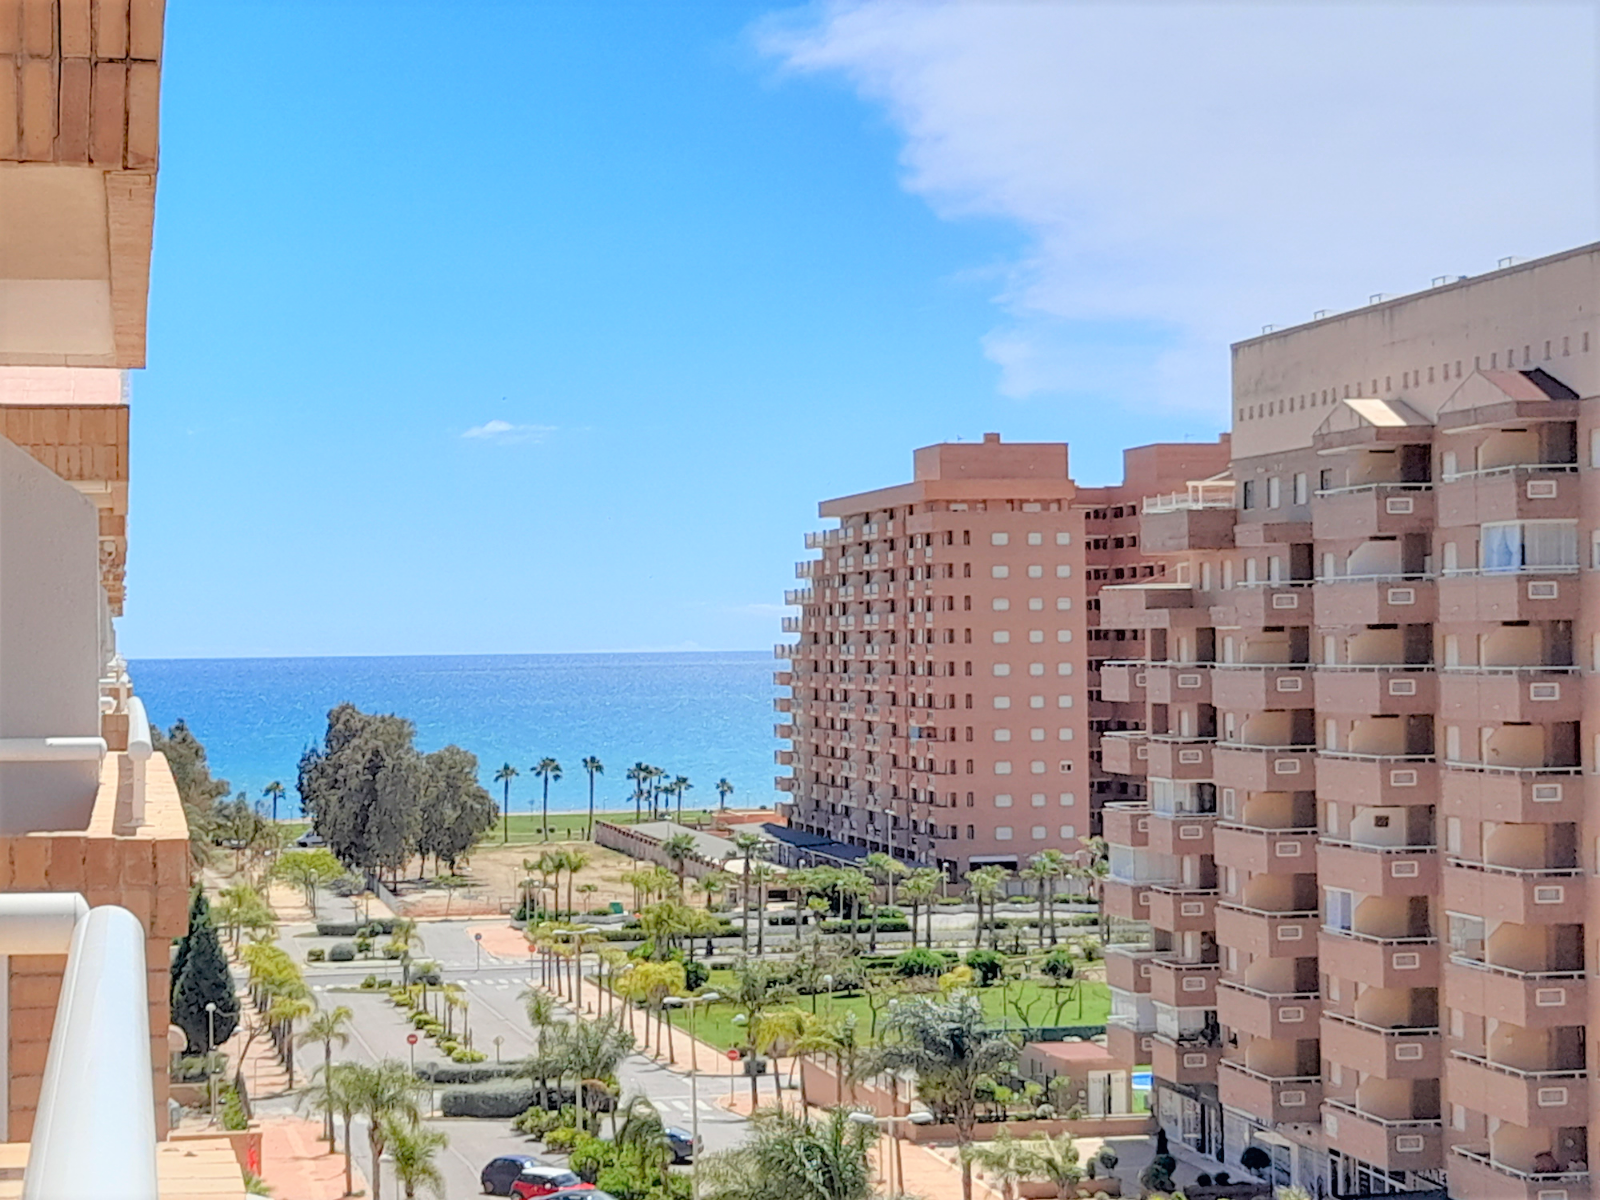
470,981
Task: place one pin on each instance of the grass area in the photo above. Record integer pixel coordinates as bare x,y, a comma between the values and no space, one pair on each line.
527,828
1087,1002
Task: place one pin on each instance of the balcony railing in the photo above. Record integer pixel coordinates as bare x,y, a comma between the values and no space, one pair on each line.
1468,864
1376,940
1395,1031
1496,769
1485,472
1375,487
1481,1155
1519,669
1477,964
1376,848
1392,577
1274,997
1519,1072
1387,1122
1360,756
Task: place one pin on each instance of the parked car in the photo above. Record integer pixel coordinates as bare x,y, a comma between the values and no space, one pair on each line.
584,1193
498,1175
682,1144
547,1181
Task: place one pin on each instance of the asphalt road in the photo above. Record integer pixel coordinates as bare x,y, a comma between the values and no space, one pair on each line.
494,988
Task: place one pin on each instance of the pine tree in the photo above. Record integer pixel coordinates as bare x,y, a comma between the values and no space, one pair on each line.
199,911
205,980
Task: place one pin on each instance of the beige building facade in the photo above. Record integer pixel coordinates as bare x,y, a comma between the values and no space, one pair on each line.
1351,918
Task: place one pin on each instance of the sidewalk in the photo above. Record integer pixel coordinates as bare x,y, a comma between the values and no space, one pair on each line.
297,1164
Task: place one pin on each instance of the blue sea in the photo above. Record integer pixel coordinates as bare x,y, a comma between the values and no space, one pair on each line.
703,715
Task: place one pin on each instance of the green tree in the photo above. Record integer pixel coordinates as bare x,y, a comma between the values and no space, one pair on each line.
197,790
309,870
1055,1160
920,887
758,987
363,788
787,1157
592,1050
456,809
945,1043
680,785
575,861
414,1148
384,1092
504,776
987,885
205,980
748,846
679,849
724,790
884,869
592,766
199,913
274,792
327,1027
333,1092
547,770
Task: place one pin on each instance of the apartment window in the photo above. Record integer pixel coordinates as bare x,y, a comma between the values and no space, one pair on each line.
1065,539
1035,701
999,539
1002,768
1003,800
1067,800
1035,635
1002,833
1063,571
1339,909
1038,833
1247,494
1001,604
1001,637
1301,489
1063,701
1036,735
1037,799
1518,545
1002,701
971,833
1064,668
1036,539
1466,936
1272,492
1000,572
1035,668
1002,669
1002,735
1064,734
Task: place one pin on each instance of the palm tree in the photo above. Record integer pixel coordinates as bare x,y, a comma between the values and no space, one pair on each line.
384,1091
547,770
593,1050
504,776
541,1013
413,1147
761,877
919,888
987,884
711,886
638,775
594,767
1056,1159
679,849
1006,1159
756,989
327,1027
794,1158
724,790
680,785
946,1044
274,791
1049,866
747,846
884,869
852,887
574,861
643,1135
335,1092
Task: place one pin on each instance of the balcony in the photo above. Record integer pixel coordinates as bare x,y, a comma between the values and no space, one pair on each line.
1398,599
1128,970
1180,1062
1392,1145
1514,796
1385,962
1523,895
1254,687
1372,510
1379,870
1264,851
1266,934
1183,984
1181,835
1529,492
1123,682
1265,768
1126,824
1495,694
1275,1099
1475,1175
1130,901
1529,594
1182,910
1252,605
1384,1052
1380,780
1129,1046
1292,1016
1376,690
1531,999
1169,756
1175,530
1178,683
1124,753
1533,1099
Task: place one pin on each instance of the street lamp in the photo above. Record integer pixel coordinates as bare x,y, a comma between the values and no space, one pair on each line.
691,1002
827,983
741,1020
211,1056
477,952
892,1122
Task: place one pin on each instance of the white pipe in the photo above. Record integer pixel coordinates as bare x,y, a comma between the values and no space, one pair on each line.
96,1105
139,752
52,749
39,922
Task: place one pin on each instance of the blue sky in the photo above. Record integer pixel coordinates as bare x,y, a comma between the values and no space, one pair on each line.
544,326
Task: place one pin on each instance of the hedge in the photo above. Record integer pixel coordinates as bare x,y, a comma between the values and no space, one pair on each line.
886,925
342,952
350,929
487,1100
440,1072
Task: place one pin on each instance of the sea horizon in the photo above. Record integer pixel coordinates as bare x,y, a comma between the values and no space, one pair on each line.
704,714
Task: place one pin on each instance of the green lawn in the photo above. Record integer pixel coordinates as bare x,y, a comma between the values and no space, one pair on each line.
526,828
1088,1002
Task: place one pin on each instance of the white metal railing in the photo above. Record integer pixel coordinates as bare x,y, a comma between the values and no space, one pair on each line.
1524,569
1360,756
95,1104
1386,1122
1200,495
1519,669
1485,1158
1376,940
1477,964
1521,1072
1273,583
1385,486
1374,847
1392,577
1548,468
1261,994
1395,1031
1258,748
1374,667
1495,769
1262,666
1272,1079
1285,830
1469,864
1297,915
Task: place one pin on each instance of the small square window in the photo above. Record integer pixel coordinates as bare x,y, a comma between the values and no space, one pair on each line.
1036,539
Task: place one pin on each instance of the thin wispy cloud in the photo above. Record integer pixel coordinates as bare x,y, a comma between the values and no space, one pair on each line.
505,433
1186,173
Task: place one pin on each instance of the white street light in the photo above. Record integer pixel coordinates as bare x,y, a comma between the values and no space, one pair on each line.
691,1003
211,1054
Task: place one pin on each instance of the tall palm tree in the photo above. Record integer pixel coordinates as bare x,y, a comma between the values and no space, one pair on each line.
756,989
852,887
575,861
504,776
541,1013
987,885
414,1147
761,877
748,846
385,1091
724,790
551,864
274,791
884,869
1052,866
679,849
639,776
946,1044
594,767
919,888
547,770
680,785
335,1092
789,1156
657,775
593,1050
327,1026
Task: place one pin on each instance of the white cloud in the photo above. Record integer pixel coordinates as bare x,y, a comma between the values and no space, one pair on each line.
505,433
1196,171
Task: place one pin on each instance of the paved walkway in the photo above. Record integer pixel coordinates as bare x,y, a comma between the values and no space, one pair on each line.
297,1163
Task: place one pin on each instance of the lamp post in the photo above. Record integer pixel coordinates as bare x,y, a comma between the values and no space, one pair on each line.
741,1021
211,1054
691,1002
891,1123
477,952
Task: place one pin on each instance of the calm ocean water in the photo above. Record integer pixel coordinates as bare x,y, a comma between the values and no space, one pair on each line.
704,715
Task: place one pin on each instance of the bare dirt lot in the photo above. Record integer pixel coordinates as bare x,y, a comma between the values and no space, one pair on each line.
496,878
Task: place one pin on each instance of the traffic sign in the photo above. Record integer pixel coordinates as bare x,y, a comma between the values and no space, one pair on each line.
733,1055
411,1039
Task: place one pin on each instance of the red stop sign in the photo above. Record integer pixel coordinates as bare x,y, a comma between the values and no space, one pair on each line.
733,1056
411,1039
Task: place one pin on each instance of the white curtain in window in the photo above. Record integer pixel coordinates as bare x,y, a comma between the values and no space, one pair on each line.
1514,545
1501,547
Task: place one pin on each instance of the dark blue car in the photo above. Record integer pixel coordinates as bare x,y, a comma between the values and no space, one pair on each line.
497,1176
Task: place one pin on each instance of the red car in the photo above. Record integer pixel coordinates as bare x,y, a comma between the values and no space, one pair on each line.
546,1181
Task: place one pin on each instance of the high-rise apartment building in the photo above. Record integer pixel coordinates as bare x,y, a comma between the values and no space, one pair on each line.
944,687
1351,919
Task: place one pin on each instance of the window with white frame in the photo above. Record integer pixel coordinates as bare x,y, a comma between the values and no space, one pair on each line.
1527,545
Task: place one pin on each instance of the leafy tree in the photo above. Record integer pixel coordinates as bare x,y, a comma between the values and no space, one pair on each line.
309,870
197,790
787,1157
504,776
363,788
946,1044
205,980
414,1148
592,766
988,965
456,810
547,769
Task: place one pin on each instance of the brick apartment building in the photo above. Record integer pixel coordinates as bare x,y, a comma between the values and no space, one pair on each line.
945,699
1349,917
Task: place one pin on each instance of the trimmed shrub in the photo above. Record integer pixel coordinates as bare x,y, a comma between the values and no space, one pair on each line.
467,1055
1058,965
988,965
920,961
316,954
695,974
350,929
445,1073
590,1155
370,982
892,925
487,1100
562,1140
233,1117
342,952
